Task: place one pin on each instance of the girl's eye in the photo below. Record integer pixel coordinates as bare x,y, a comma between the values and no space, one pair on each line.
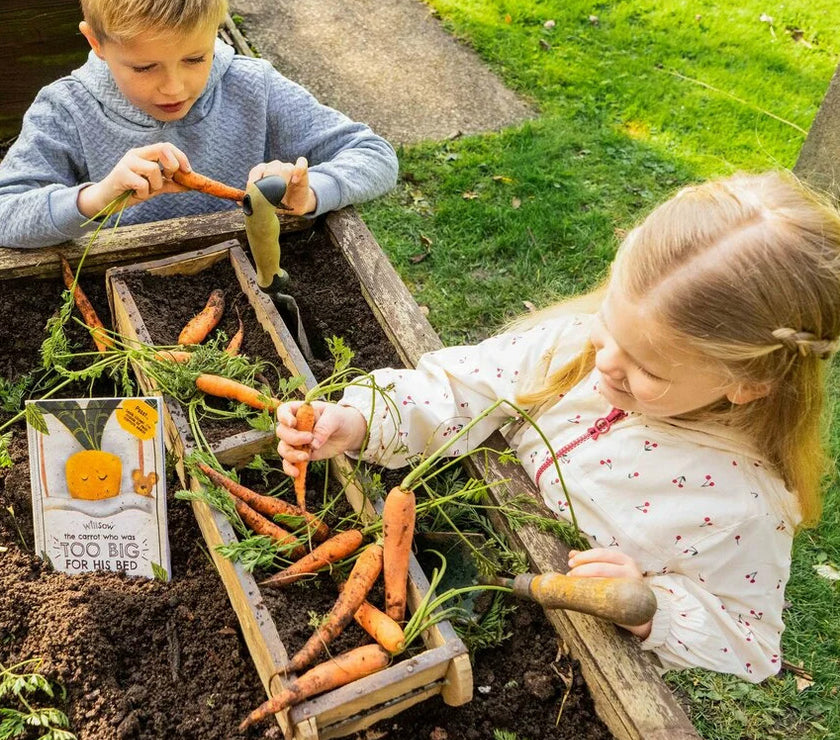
648,374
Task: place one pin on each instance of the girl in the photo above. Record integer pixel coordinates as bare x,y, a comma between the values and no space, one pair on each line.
684,411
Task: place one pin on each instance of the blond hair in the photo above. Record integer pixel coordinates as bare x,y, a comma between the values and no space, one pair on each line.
746,271
122,20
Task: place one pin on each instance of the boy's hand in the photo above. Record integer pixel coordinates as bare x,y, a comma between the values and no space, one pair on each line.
337,429
144,171
607,562
299,198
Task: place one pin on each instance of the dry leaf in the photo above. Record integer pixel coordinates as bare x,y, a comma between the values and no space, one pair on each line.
515,202
227,631
803,683
593,19
508,18
827,571
503,178
764,18
425,241
530,307
620,233
469,195
545,45
424,310
549,25
417,258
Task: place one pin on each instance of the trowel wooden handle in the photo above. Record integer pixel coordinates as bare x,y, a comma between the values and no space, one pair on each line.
621,600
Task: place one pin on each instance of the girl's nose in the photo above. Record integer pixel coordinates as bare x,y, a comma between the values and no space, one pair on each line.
608,361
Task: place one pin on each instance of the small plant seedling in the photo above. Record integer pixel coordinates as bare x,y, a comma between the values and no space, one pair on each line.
21,686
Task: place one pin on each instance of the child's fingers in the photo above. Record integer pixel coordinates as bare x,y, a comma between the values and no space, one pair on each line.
597,555
597,570
289,469
286,413
300,170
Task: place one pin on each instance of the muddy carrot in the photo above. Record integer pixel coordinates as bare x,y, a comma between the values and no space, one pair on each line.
334,549
260,525
200,325
268,505
173,355
365,571
398,517
305,423
338,671
235,342
380,627
97,329
203,184
216,385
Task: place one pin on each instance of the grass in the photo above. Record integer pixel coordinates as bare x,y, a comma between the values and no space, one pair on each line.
632,100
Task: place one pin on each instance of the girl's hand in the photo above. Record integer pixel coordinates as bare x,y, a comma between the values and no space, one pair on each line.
144,171
299,198
337,429
607,562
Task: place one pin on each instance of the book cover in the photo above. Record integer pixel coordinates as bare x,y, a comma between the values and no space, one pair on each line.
98,473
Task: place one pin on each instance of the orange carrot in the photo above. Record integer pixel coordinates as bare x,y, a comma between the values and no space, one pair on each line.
235,342
268,505
194,181
334,549
97,329
380,627
365,571
200,325
338,671
305,423
260,525
397,532
216,385
173,355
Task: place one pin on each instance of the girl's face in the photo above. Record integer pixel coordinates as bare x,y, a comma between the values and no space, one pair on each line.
161,73
643,369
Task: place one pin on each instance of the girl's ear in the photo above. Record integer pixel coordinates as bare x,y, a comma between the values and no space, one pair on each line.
87,32
742,394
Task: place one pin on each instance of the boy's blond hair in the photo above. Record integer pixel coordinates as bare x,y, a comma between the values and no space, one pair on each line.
746,271
122,20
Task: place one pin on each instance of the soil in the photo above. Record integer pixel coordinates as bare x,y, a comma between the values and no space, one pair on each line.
145,660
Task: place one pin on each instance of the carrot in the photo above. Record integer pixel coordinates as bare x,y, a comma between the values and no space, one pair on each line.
260,525
380,627
365,571
305,417
97,329
216,385
200,325
203,184
397,532
173,355
338,671
334,549
268,505
235,342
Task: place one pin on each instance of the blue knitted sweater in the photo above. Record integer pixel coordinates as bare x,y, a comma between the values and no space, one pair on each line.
80,126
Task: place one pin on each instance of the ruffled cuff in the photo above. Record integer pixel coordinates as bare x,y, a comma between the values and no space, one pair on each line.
661,624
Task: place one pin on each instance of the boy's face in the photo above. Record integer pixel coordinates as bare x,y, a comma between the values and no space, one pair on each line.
161,73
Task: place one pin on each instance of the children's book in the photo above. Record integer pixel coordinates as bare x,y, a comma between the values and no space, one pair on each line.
98,474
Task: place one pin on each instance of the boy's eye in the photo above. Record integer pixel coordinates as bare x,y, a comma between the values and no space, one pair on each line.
143,69
196,60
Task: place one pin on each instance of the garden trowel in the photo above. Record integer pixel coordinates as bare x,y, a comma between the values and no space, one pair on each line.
262,226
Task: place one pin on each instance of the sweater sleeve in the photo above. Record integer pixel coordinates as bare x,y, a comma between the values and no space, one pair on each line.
410,412
40,179
725,612
348,163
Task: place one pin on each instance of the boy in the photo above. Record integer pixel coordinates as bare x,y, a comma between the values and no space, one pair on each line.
160,93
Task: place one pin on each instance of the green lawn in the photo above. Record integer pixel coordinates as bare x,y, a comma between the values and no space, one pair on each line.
635,99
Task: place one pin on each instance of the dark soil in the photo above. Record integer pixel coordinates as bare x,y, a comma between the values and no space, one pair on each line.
148,660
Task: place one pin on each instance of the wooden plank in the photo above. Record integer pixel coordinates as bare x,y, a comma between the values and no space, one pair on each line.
628,692
138,242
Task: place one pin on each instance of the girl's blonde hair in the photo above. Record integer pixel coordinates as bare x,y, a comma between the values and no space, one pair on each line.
123,20
746,271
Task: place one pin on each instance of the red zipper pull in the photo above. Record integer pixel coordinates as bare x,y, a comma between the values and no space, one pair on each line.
602,425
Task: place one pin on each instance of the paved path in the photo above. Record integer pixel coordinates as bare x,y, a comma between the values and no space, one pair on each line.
388,63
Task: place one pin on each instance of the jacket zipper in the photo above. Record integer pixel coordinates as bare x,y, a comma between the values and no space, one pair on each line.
601,426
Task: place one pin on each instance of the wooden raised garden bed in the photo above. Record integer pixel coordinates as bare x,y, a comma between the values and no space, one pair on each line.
442,668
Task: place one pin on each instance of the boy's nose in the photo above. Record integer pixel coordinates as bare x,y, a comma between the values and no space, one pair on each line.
171,85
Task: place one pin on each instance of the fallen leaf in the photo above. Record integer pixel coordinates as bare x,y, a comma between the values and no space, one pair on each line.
424,310
803,683
425,241
764,18
469,195
416,259
549,24
827,571
508,18
227,631
503,178
620,233
545,45
593,19
530,307
515,203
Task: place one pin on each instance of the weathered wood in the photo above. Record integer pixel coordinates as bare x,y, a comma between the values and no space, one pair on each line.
129,244
628,692
819,159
